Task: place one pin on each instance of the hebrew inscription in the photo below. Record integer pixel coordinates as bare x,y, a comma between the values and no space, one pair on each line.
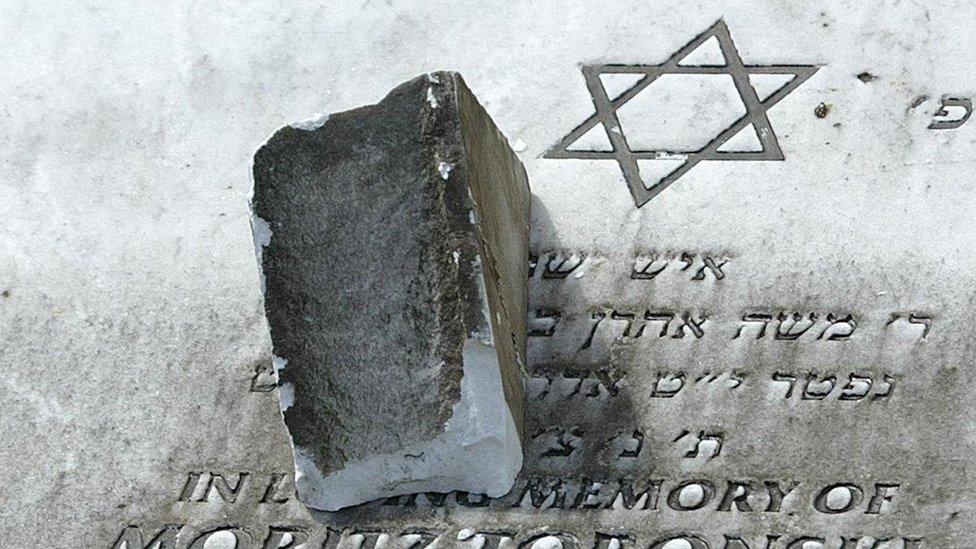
781,325
589,449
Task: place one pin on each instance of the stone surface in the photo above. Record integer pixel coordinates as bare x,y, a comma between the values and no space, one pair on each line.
394,245
137,352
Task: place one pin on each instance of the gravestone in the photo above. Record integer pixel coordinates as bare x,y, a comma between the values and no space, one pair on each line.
750,283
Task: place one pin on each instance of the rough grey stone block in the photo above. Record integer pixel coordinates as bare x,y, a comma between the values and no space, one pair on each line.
394,246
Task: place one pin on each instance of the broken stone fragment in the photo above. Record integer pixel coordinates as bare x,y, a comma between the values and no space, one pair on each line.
393,241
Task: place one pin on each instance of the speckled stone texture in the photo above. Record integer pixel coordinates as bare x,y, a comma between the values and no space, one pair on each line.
394,247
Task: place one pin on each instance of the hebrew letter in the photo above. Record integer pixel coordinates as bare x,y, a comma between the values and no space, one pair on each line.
543,324
559,442
593,385
664,317
857,388
559,265
636,442
924,320
708,445
687,259
647,269
736,379
791,327
839,329
715,268
953,112
693,325
611,379
708,377
761,318
575,380
668,385
597,318
818,389
786,378
889,387
539,385
632,330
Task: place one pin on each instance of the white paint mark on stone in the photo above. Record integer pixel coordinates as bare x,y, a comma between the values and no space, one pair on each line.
224,539
679,543
432,78
356,540
479,541
613,544
261,234
465,534
519,145
278,362
691,495
310,124
548,542
408,540
839,498
671,156
431,98
444,168
457,256
261,230
286,396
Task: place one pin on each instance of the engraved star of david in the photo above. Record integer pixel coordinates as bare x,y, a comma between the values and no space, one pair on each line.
755,107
